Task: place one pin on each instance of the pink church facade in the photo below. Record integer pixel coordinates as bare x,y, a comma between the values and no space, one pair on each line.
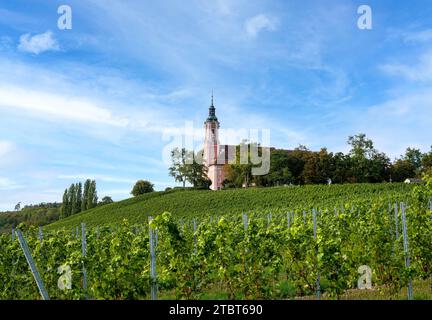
215,154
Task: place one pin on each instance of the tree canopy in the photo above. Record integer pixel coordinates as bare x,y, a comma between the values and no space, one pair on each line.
142,187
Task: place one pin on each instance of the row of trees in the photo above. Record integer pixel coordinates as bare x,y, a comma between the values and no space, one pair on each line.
77,199
363,163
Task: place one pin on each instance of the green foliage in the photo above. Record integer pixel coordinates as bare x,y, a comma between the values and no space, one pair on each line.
271,257
363,164
64,211
142,187
76,200
403,169
178,169
106,200
187,203
188,166
92,197
85,195
34,215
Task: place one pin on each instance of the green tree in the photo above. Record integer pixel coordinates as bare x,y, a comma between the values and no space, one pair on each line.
427,162
361,151
341,168
240,173
296,163
402,169
189,167
84,200
64,210
318,167
79,197
72,200
310,172
196,171
106,200
280,173
95,196
361,146
379,168
415,157
178,169
367,164
142,187
92,195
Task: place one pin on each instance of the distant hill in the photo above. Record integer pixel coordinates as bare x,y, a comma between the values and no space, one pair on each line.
34,215
188,203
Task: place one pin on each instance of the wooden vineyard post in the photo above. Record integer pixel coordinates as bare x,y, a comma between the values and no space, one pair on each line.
152,261
84,254
13,234
43,292
269,219
318,286
406,250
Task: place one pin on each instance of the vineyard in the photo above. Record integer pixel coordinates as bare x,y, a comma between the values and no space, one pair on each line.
310,251
200,203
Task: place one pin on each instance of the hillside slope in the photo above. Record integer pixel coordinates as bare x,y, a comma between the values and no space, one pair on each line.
35,215
183,203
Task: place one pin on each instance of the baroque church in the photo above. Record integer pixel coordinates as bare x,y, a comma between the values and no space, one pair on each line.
215,155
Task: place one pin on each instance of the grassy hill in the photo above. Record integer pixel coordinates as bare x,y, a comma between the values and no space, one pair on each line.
35,215
187,203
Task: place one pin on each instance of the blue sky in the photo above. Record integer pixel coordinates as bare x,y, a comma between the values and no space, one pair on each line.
96,100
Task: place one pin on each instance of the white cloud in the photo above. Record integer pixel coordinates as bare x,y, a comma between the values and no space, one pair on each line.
88,95
422,71
400,122
58,106
418,37
260,22
38,43
7,184
5,148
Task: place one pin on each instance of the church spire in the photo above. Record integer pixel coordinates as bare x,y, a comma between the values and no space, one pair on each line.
212,111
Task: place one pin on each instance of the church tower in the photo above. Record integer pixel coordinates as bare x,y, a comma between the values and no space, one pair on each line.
212,149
